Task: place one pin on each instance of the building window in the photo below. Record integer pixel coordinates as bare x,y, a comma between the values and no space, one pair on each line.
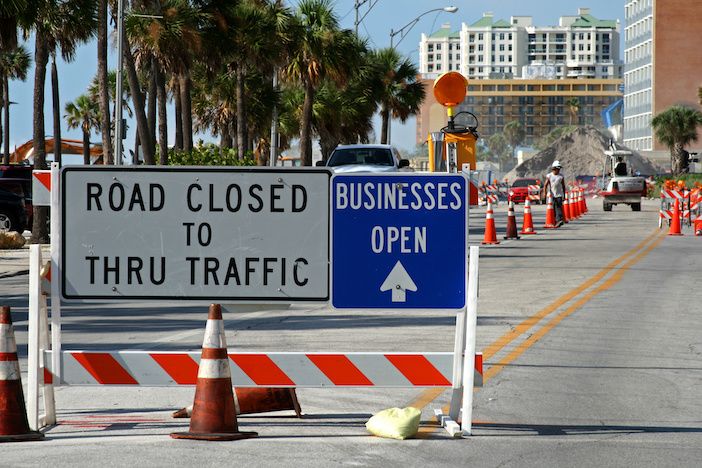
438,67
493,36
430,57
450,67
509,47
502,36
502,47
438,46
430,68
509,37
502,58
438,57
480,36
480,47
458,46
509,58
471,38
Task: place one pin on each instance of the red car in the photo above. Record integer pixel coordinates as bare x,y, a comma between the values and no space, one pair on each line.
520,189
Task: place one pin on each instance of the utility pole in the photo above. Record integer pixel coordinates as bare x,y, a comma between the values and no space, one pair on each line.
118,94
274,125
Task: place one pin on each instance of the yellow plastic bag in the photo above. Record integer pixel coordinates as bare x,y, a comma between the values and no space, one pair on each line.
395,423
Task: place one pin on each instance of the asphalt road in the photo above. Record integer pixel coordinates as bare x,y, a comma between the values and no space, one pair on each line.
591,335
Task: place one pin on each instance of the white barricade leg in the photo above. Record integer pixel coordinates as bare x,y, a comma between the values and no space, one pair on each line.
464,358
33,337
55,272
471,328
49,416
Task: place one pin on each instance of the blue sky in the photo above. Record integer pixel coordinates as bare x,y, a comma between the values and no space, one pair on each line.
386,15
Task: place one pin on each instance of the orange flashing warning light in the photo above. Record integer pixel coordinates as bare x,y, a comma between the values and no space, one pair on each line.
450,89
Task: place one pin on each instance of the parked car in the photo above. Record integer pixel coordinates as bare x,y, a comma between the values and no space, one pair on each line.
520,189
13,215
17,178
366,158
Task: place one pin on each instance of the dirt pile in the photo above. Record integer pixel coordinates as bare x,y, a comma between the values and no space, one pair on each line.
580,152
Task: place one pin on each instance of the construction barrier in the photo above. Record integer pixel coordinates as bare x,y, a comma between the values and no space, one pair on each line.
261,369
488,194
49,365
534,193
668,197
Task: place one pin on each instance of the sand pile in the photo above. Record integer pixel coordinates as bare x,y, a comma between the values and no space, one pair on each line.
580,152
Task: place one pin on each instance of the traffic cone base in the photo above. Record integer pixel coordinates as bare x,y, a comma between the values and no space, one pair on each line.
14,426
213,415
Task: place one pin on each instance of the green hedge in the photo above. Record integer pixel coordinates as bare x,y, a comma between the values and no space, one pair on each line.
209,154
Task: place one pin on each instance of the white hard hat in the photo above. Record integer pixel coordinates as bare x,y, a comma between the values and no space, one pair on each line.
556,163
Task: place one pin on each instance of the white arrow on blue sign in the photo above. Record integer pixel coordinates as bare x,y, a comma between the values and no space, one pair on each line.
399,240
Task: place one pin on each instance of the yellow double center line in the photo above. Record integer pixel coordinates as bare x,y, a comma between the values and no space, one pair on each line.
637,253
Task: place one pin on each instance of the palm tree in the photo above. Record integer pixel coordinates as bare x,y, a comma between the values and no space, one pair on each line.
514,133
57,24
12,15
400,92
676,127
83,113
14,65
573,105
498,146
174,40
320,49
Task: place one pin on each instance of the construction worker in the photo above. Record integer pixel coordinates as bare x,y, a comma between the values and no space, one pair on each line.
620,167
555,185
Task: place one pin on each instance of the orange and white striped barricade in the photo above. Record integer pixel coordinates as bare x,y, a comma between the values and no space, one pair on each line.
668,197
488,193
534,193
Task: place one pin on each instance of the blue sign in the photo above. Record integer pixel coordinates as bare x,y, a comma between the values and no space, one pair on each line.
399,241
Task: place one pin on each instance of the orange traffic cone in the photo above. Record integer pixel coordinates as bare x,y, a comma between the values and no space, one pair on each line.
550,214
583,203
511,222
214,416
490,234
698,227
575,207
566,209
257,400
14,426
528,224
675,220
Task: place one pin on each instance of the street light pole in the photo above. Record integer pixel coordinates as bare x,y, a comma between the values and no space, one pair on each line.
357,5
118,94
403,31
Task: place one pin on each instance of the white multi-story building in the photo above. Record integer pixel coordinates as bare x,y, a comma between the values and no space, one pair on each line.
581,46
638,74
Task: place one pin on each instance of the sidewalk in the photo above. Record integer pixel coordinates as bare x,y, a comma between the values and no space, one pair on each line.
15,262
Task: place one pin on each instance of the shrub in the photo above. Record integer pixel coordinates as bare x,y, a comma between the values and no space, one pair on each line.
209,154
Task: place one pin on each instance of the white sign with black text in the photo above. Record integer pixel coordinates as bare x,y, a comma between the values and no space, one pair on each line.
236,234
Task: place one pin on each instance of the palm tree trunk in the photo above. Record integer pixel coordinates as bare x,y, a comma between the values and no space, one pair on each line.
137,144
676,163
162,116
178,116
186,106
385,116
86,146
2,109
40,233
104,95
240,114
306,126
6,140
139,111
151,103
56,107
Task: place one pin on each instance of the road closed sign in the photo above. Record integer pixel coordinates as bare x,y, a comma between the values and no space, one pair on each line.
236,234
399,241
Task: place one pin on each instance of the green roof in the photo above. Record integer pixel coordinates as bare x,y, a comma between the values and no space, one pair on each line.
589,21
487,22
446,32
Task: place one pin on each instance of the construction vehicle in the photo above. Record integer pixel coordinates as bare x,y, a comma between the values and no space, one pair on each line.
619,185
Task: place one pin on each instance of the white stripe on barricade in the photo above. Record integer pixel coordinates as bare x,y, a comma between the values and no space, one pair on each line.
306,370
